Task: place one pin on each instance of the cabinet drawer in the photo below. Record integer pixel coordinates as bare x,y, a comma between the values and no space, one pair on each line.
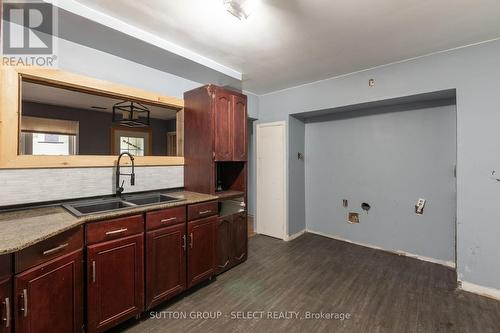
202,210
51,248
116,228
165,217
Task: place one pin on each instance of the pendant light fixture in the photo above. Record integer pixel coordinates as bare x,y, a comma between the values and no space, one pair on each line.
240,8
131,114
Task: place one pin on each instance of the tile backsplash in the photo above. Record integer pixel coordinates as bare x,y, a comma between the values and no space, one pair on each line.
23,186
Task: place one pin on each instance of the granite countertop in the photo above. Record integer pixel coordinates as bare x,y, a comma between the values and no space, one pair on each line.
22,228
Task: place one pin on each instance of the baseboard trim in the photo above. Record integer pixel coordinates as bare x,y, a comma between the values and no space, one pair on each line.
295,235
480,290
450,264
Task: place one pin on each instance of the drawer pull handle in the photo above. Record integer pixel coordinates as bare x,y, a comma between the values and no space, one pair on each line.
114,232
7,312
191,240
93,271
205,212
56,249
168,220
224,266
184,242
24,296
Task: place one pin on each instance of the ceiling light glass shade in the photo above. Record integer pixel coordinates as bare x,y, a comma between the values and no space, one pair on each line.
133,114
240,8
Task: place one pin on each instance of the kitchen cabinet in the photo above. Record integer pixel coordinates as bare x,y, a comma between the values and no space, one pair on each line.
165,263
215,132
239,238
49,297
239,128
115,266
223,115
6,313
223,253
231,241
6,320
230,114
201,249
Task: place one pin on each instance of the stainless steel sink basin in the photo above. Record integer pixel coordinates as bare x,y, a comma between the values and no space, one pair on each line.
97,206
148,199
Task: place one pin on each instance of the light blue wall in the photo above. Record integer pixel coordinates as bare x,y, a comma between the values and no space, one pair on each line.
296,181
475,73
388,157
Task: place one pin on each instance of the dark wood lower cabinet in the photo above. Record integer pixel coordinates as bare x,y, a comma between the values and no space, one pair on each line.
6,314
201,250
165,263
223,243
232,234
115,288
49,297
239,238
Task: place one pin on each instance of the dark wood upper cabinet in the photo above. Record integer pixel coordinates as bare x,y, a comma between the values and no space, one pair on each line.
201,249
215,131
49,297
223,115
115,289
165,263
6,314
239,128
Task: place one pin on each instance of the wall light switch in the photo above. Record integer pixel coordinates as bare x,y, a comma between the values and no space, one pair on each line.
419,207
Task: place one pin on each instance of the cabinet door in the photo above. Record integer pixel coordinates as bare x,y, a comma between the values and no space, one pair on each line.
239,128
223,134
239,238
6,319
223,256
49,297
165,263
115,288
201,251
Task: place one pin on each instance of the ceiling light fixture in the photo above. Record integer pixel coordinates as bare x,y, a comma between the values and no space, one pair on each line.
240,8
133,114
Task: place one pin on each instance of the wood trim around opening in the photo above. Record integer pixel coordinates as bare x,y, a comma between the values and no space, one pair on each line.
148,131
10,101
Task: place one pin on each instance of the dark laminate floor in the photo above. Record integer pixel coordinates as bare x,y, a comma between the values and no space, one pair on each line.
383,293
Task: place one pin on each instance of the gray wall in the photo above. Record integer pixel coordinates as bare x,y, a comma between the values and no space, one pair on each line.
388,158
88,61
296,171
475,73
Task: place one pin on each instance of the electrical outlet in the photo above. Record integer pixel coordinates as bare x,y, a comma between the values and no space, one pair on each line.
345,203
353,217
419,207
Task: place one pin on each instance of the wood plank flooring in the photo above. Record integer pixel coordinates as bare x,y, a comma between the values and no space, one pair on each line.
382,292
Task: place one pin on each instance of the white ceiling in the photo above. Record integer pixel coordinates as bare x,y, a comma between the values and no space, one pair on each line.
38,93
285,43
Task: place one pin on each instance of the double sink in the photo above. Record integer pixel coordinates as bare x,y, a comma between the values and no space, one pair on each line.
82,208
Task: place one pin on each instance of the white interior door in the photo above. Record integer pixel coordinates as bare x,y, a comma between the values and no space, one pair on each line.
271,184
